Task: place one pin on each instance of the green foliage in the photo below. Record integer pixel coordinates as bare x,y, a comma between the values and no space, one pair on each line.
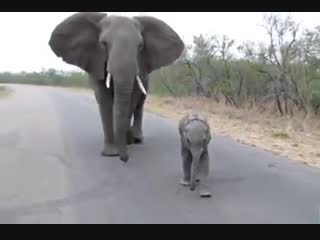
284,69
315,101
49,77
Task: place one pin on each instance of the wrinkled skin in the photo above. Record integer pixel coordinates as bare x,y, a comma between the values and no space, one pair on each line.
123,48
195,136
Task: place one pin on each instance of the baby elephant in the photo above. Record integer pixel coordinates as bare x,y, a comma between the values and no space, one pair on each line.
195,136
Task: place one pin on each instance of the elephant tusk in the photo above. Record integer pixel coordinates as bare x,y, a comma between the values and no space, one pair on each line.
141,85
108,80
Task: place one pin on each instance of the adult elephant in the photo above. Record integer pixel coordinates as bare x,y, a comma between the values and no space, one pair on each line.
118,53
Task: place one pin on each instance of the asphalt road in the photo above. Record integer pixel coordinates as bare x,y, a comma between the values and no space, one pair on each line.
51,172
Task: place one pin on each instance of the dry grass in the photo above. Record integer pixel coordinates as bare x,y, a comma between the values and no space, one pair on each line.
297,138
281,135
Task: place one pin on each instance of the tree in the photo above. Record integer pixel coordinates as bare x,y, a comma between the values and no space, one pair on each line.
309,58
279,53
203,50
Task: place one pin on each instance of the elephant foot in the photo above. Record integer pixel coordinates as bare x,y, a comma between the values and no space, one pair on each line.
110,150
124,157
138,140
194,184
184,182
137,136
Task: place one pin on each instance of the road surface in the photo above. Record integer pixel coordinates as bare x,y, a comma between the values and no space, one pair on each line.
51,171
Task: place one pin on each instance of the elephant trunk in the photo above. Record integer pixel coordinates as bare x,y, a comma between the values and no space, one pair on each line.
124,71
196,155
121,112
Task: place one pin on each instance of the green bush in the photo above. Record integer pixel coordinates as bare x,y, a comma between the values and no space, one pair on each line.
315,101
49,77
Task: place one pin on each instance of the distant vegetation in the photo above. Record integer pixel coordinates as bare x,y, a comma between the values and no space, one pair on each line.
50,77
283,74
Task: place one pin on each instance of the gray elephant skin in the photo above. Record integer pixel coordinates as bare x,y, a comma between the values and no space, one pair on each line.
195,136
118,54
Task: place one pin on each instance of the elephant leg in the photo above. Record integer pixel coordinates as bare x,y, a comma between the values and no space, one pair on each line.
110,148
105,102
204,166
137,122
186,165
204,173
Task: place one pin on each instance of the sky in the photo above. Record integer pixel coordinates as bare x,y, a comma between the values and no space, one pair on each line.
25,35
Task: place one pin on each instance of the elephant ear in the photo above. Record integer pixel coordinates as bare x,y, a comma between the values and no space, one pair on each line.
162,45
75,40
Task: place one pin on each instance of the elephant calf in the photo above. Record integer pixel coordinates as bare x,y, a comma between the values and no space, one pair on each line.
195,136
